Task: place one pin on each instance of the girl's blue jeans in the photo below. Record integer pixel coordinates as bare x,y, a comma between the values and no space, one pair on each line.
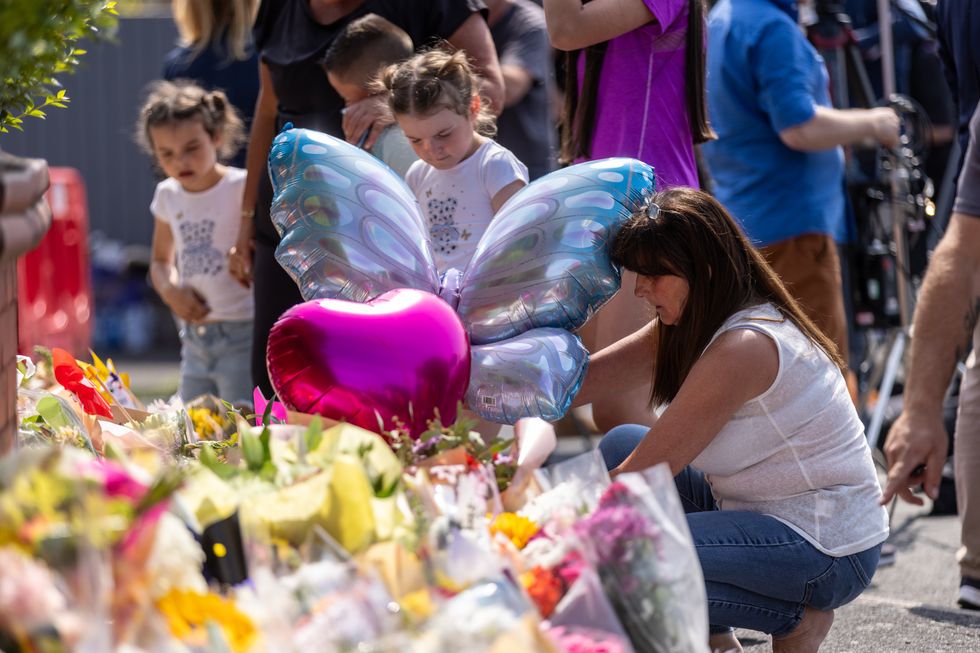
759,573
215,358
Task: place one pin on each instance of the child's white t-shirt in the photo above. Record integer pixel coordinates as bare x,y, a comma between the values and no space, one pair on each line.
456,202
205,226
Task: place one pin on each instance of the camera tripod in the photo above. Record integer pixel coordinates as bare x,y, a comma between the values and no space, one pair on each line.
893,197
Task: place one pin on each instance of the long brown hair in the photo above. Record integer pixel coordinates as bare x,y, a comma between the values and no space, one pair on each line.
578,118
687,233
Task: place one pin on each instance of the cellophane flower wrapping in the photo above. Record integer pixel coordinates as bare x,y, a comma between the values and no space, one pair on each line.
582,639
647,562
554,562
315,597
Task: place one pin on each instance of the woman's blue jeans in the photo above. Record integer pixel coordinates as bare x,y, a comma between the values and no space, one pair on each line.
759,573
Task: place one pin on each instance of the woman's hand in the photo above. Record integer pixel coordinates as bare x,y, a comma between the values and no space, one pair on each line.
186,303
241,255
365,119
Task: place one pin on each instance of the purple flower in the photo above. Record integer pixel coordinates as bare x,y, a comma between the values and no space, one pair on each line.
614,532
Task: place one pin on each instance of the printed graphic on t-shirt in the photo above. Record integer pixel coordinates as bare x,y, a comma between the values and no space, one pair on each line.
442,225
199,256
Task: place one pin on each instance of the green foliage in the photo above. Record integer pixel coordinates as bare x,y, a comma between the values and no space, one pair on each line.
37,46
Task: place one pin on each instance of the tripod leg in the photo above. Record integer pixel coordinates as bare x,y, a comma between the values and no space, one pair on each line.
892,366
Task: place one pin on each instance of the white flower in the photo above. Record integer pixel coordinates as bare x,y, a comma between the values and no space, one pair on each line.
176,559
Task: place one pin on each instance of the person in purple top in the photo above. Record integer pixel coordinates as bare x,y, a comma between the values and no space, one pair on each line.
634,88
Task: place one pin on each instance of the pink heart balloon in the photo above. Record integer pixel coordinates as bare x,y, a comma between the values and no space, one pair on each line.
404,354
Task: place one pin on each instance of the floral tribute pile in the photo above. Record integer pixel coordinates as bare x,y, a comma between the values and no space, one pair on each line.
202,528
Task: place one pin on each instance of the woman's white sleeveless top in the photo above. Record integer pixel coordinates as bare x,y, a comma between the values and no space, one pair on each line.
798,452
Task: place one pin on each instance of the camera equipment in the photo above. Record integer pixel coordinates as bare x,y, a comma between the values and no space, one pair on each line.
891,196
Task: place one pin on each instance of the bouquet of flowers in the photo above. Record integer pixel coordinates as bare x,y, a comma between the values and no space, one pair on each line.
553,563
85,520
647,563
35,613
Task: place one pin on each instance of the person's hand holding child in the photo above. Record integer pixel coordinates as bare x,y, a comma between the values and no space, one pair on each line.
365,119
186,303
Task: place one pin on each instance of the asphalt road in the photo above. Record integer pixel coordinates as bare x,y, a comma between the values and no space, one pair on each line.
911,605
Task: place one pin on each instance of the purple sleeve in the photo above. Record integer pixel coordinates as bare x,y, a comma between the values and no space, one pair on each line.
667,12
968,188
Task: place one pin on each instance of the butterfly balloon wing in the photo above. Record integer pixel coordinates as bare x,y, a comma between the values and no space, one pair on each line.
350,227
544,261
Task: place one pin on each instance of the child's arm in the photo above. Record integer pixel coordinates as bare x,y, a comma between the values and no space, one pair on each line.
183,301
505,194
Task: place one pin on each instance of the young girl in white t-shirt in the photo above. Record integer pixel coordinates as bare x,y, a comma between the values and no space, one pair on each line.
197,211
462,177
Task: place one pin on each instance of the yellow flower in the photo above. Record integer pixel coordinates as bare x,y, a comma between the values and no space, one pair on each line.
418,603
207,423
516,528
187,613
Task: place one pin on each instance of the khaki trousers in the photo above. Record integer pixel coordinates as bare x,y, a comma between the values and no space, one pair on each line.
966,456
810,268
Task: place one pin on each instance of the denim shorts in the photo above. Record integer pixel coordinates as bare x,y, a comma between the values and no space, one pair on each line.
215,358
759,573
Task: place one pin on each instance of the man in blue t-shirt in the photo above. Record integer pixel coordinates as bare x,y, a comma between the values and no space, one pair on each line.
777,163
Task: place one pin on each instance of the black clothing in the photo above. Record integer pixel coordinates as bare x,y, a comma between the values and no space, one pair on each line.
958,25
292,44
214,69
526,128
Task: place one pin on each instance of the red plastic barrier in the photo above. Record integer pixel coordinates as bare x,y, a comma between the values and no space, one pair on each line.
54,280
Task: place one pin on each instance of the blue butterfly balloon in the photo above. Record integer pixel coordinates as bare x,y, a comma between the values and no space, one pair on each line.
352,229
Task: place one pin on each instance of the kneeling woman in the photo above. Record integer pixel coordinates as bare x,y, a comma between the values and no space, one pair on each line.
768,452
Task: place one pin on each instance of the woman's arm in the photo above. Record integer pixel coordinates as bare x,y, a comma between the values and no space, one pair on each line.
739,366
259,142
573,25
474,37
620,366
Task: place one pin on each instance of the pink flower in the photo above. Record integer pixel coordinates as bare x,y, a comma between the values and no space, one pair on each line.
570,568
585,640
118,483
29,597
278,410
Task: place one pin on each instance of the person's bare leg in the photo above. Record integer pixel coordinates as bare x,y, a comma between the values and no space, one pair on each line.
808,635
624,314
724,643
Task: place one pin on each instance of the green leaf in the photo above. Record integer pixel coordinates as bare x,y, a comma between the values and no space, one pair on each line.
53,412
499,446
162,488
252,450
313,435
220,469
267,414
